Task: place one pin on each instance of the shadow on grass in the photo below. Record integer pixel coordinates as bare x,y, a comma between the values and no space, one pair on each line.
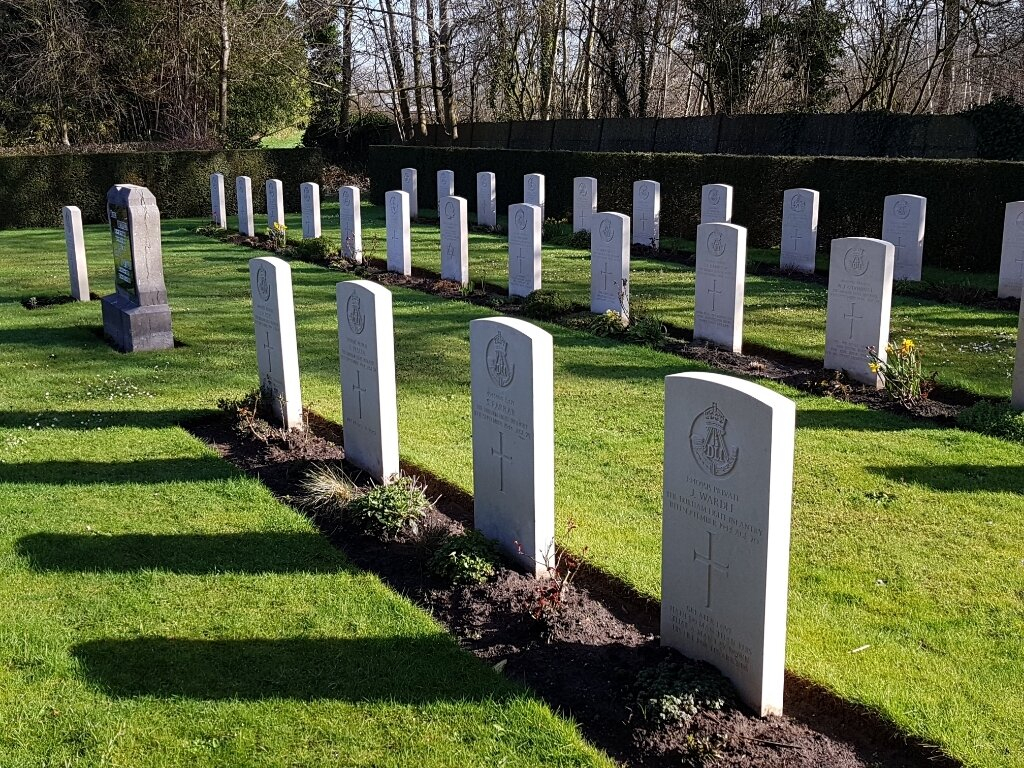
403,670
90,420
145,471
957,477
192,554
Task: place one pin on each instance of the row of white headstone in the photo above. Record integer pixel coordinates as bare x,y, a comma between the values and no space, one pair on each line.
903,220
728,467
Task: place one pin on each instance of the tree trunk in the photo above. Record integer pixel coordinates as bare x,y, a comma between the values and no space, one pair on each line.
397,66
225,56
417,67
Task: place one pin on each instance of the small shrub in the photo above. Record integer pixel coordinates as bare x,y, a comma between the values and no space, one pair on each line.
278,235
608,324
995,419
562,566
671,692
384,510
580,239
465,558
550,228
326,491
547,305
317,250
901,372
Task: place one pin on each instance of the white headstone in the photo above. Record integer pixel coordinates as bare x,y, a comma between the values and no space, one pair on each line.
609,263
218,205
454,239
445,187
533,191
903,226
396,207
514,438
486,200
275,203
243,193
647,213
1011,262
524,256
366,349
310,193
351,224
715,204
74,239
584,202
719,285
273,310
411,188
859,298
725,529
799,229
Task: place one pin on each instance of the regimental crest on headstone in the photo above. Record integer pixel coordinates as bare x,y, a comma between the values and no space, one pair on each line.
797,203
581,190
708,442
408,175
1020,220
354,314
346,198
449,210
394,205
263,285
715,195
645,191
716,243
901,209
856,262
521,219
606,230
532,183
499,368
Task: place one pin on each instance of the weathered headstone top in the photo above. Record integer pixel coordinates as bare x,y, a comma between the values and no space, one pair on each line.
533,190
366,349
513,438
136,316
715,204
719,285
277,354
903,226
411,187
524,249
445,187
1011,262
243,194
275,203
859,298
728,482
74,239
399,245
799,229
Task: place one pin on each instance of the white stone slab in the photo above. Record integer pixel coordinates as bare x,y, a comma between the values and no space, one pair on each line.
243,194
275,203
609,264
647,213
218,205
1011,262
396,214
351,224
366,349
726,529
411,187
454,239
903,226
524,252
74,239
310,194
859,299
799,229
584,202
533,191
486,200
514,438
445,187
273,310
715,204
719,285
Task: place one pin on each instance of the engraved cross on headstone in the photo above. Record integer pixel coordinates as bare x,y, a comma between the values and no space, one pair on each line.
853,316
359,389
795,237
643,222
714,291
899,247
502,458
270,357
519,260
1020,268
605,272
711,564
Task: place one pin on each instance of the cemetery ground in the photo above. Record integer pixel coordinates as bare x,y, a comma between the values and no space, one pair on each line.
906,581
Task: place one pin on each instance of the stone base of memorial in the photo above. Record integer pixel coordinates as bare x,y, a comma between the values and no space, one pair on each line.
131,328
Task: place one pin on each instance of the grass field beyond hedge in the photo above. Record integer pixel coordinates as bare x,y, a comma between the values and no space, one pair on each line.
906,538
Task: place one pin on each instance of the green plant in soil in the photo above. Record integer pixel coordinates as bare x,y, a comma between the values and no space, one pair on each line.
929,580
464,558
673,692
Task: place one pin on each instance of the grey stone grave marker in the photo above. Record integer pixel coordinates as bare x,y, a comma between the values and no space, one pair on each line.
486,200
524,252
533,191
351,224
647,213
445,187
218,204
609,264
410,186
715,204
719,286
903,226
799,229
275,203
277,353
310,194
243,193
584,202
454,239
1011,262
74,239
396,207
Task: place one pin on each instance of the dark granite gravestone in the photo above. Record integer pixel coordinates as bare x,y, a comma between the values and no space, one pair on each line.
136,317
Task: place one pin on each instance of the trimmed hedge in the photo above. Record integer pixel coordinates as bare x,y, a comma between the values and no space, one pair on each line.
966,198
34,188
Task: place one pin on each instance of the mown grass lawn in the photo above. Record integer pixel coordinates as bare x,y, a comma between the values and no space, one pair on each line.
158,607
905,538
